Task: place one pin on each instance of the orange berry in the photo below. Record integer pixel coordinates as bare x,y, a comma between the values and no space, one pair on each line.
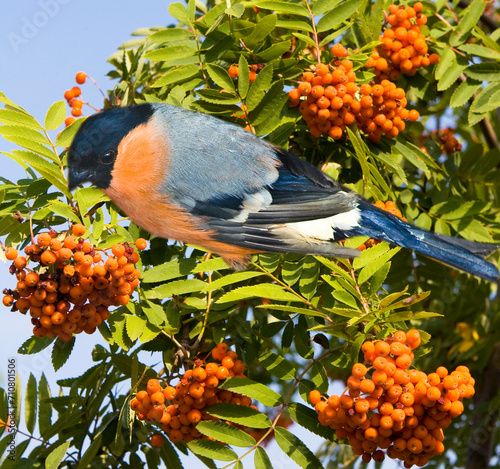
222,372
314,397
234,71
157,440
359,370
157,398
11,253
78,230
304,88
382,349
48,258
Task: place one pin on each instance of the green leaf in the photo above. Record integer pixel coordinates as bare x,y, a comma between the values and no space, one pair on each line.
168,54
369,255
296,450
135,326
487,100
154,312
306,39
469,18
212,450
169,456
370,269
56,456
177,287
270,105
230,279
244,77
65,138
261,459
336,17
89,455
264,290
11,116
177,75
61,352
464,92
324,6
308,418
456,208
87,197
294,309
225,433
218,97
345,297
281,7
485,71
34,345
252,389
414,155
410,315
30,404
278,366
236,10
481,51
168,271
11,131
295,25
239,414
309,277
221,77
55,115
179,12
319,377
170,35
44,407
276,51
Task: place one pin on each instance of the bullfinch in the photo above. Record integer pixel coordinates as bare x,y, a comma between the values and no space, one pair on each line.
194,178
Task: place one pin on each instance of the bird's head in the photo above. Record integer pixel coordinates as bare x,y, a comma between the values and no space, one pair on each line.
92,153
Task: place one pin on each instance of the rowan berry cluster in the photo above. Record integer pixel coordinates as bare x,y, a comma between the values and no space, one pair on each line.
404,49
234,71
388,406
333,101
72,287
179,408
72,96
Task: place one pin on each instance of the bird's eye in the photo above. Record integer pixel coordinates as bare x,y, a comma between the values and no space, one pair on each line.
107,157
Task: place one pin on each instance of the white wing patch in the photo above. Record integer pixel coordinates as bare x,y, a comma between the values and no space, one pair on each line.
321,229
253,203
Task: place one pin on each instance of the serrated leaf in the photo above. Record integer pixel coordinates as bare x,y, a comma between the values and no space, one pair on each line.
345,297
168,271
294,309
469,18
261,459
239,414
34,345
225,433
61,352
453,73
91,452
270,105
44,407
410,315
278,366
221,77
56,456
252,389
281,7
308,418
10,131
30,404
236,10
270,291
464,92
296,450
319,377
212,450
481,51
177,75
244,77
370,269
177,287
60,208
135,326
87,197
169,456
274,52
13,117
324,6
170,34
55,115
485,71
179,12
337,16
65,137
448,58
306,39
230,279
369,255
487,100
217,97
415,156
169,53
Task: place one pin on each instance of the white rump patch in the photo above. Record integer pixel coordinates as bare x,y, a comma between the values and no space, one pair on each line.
322,228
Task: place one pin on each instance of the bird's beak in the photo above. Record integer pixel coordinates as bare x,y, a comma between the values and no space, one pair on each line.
76,177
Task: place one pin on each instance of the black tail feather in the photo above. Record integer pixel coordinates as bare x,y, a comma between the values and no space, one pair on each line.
456,252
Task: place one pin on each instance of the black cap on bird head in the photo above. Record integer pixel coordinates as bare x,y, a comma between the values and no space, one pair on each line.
92,153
